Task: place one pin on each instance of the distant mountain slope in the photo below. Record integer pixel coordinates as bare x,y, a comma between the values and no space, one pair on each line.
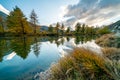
115,27
40,27
43,28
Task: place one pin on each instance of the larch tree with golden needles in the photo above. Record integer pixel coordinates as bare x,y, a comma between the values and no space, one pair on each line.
17,22
1,25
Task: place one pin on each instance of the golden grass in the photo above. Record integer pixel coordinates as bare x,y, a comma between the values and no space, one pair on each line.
107,40
82,64
111,53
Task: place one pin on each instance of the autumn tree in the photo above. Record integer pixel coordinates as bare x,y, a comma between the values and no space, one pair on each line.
92,30
89,30
62,29
34,20
103,30
57,28
68,30
1,25
77,27
17,22
50,29
83,29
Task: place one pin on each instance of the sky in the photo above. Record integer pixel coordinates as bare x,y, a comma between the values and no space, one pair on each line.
48,11
94,12
69,12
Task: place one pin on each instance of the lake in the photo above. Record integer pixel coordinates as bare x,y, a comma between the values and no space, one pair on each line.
23,57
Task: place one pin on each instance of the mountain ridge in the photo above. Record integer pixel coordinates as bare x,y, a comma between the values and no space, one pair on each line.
115,27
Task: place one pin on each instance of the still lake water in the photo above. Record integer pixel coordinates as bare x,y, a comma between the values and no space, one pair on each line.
23,57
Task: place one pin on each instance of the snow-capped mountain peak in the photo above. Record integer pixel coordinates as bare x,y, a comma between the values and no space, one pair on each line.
2,9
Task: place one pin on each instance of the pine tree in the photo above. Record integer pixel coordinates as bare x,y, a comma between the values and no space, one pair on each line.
57,28
34,20
83,29
62,29
77,27
68,30
50,29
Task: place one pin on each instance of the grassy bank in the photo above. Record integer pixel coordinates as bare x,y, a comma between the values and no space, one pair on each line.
83,64
108,40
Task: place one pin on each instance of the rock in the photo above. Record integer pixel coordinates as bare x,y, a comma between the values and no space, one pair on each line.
46,75
117,34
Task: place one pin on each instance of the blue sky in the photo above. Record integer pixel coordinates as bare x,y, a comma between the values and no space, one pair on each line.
69,12
48,11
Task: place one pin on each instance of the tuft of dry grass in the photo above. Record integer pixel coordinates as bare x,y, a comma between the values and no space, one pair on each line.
82,64
110,50
111,53
107,40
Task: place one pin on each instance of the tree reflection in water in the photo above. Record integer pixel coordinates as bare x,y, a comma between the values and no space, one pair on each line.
36,47
22,45
4,47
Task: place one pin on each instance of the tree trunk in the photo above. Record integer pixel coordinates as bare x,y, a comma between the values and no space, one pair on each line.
34,27
2,27
22,26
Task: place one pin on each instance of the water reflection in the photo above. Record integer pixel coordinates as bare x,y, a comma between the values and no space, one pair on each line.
36,47
22,45
22,57
4,47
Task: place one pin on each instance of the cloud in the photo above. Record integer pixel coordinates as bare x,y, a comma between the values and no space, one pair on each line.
4,10
63,10
93,12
